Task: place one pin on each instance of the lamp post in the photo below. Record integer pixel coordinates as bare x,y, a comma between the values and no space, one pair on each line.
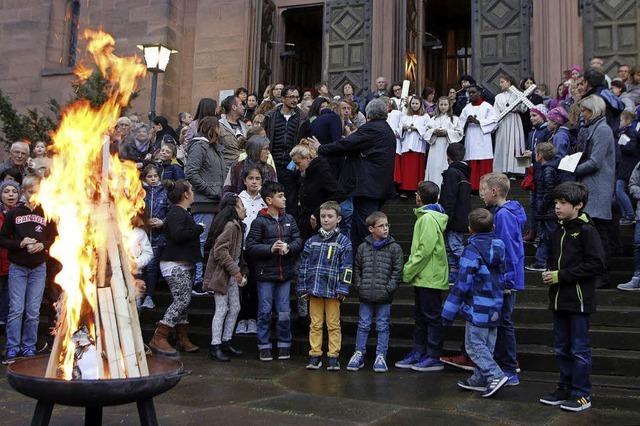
156,56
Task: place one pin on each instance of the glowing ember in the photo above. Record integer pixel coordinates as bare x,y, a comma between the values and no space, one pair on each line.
71,194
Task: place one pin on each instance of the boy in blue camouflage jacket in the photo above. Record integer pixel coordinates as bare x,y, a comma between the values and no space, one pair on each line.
478,296
324,277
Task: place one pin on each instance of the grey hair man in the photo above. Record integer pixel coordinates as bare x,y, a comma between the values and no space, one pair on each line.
367,175
18,156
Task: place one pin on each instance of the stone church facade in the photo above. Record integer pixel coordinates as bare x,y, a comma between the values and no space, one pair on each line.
224,44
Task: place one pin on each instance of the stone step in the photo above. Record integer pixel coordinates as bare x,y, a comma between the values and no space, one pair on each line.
523,315
539,358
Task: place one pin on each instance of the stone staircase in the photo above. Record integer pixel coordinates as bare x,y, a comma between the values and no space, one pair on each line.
615,330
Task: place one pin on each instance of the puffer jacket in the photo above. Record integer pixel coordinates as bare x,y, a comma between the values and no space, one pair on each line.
455,195
377,273
546,179
326,266
265,231
577,265
205,170
478,293
427,265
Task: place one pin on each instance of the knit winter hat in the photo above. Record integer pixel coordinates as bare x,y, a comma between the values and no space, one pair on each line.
541,110
559,115
6,183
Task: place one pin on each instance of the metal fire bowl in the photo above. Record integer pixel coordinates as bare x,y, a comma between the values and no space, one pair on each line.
27,377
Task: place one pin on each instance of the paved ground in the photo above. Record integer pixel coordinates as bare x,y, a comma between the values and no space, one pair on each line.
249,392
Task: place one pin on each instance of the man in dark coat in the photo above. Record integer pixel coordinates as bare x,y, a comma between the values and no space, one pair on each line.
368,171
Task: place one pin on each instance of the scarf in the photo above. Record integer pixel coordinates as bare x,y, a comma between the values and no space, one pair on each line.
378,244
327,234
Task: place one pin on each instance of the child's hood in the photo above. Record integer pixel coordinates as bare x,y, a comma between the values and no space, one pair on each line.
436,211
516,210
489,247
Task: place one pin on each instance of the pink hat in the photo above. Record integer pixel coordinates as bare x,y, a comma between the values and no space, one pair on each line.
541,110
576,68
559,115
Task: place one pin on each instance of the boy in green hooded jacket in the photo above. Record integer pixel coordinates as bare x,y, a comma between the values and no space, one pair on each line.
428,271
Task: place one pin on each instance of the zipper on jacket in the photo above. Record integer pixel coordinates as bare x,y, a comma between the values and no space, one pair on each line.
564,232
280,255
579,293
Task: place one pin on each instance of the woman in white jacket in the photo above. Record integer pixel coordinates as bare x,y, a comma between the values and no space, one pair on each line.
140,252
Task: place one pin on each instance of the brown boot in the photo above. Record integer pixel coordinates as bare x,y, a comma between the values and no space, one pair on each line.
182,340
159,343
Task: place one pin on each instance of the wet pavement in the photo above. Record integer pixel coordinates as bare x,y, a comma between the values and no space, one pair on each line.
247,391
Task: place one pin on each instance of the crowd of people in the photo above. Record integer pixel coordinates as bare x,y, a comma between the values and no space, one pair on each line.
254,195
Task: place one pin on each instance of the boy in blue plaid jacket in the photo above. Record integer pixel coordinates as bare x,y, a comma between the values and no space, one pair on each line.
324,277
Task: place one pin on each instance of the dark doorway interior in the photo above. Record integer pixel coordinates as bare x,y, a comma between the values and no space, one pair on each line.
302,55
447,43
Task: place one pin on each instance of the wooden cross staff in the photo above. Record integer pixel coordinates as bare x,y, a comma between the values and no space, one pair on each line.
521,97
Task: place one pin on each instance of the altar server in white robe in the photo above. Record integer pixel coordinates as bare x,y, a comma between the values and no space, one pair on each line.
478,119
510,137
413,159
444,129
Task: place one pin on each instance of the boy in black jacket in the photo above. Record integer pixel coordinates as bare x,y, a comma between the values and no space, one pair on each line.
546,177
27,235
576,266
272,247
455,197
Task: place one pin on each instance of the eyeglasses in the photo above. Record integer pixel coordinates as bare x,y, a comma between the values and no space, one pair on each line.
292,97
383,226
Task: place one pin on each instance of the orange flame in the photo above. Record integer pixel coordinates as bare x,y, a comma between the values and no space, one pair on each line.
71,194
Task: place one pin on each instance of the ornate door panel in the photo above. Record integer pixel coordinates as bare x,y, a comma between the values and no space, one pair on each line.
500,40
612,32
347,44
267,35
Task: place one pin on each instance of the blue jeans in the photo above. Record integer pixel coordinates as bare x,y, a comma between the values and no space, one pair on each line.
4,298
427,335
382,312
505,348
623,200
347,214
479,343
572,348
270,292
455,247
26,287
545,229
207,219
152,271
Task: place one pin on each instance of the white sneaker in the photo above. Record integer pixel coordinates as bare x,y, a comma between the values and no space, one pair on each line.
252,326
241,328
148,303
633,285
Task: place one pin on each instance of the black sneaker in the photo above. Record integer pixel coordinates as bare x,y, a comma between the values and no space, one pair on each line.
284,353
536,267
495,385
466,385
557,397
265,355
577,404
315,363
334,364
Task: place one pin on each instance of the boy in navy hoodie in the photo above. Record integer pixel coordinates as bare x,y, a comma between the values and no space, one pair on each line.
575,270
477,296
509,219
